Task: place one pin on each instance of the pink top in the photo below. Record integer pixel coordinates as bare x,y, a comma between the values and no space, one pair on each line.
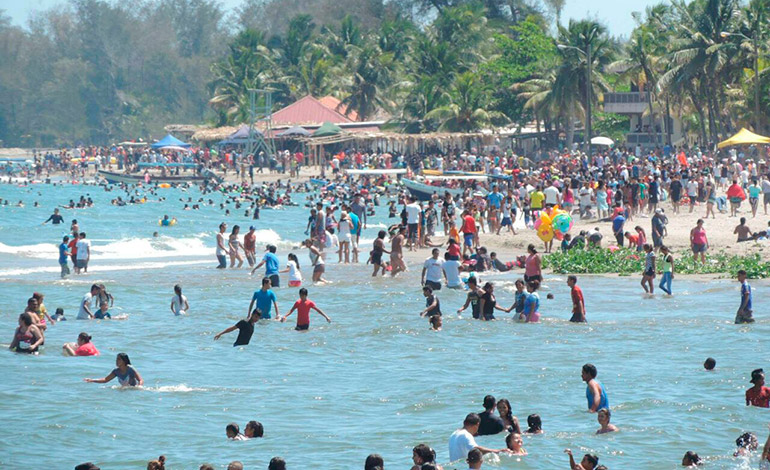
87,349
699,236
531,266
568,196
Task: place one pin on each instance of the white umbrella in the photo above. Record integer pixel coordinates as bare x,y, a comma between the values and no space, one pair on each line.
603,141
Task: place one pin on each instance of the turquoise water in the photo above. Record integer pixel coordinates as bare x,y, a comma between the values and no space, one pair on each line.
375,380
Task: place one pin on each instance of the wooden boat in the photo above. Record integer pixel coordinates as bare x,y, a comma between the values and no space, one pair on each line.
424,192
114,177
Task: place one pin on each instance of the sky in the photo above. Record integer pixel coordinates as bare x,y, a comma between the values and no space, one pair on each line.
616,14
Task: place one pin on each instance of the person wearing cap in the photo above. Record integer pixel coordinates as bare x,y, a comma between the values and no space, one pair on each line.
758,395
250,246
270,261
589,461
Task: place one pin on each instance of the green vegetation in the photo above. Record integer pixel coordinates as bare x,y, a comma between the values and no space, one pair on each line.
99,71
626,262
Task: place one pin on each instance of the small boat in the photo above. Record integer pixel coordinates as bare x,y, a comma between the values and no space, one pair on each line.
424,192
114,177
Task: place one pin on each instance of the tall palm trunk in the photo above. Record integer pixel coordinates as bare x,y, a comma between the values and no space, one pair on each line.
653,131
570,123
701,116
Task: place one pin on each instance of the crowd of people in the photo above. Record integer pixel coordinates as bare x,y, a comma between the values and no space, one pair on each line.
616,187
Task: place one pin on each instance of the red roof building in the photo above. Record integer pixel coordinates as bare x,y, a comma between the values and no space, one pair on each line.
307,111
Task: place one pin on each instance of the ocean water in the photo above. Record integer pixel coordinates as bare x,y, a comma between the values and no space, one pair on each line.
374,380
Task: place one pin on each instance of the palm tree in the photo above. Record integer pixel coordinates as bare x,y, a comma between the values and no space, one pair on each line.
700,58
572,82
370,72
641,64
246,67
468,107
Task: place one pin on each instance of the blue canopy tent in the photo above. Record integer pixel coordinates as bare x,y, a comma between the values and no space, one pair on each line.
169,141
241,136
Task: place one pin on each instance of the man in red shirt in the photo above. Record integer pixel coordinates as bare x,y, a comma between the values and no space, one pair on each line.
469,231
578,304
758,395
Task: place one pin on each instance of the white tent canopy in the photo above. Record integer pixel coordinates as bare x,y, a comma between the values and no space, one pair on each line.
603,141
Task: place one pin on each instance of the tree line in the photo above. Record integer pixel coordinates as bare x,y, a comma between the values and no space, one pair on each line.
96,71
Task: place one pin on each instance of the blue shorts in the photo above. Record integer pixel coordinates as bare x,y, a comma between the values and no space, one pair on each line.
468,237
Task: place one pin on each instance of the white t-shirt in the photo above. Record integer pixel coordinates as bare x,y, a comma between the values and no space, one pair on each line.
220,243
551,195
82,314
177,306
433,269
294,273
83,248
460,443
692,188
412,213
585,196
452,271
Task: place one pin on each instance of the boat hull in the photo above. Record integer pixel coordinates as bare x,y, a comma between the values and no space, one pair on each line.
117,178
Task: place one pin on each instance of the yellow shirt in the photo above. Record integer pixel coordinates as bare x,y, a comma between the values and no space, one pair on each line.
536,200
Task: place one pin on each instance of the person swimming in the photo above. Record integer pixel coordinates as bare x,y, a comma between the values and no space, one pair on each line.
514,444
535,424
125,373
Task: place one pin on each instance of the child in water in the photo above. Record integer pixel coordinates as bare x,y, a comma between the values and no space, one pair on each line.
59,315
535,424
432,304
514,444
603,416
303,306
102,313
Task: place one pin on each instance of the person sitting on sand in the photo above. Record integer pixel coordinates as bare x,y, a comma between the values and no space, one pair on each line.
603,416
743,231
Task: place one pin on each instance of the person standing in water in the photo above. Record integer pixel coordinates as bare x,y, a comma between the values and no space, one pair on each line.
63,254
378,249
396,254
668,270
265,300
271,263
317,261
758,395
250,246
745,312
473,299
126,374
179,305
578,303
649,269
55,218
303,307
222,250
245,329
595,393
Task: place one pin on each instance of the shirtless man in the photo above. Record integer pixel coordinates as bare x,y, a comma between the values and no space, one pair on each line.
396,255
250,246
589,461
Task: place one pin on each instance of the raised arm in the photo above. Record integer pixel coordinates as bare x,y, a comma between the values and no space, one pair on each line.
225,331
101,381
328,320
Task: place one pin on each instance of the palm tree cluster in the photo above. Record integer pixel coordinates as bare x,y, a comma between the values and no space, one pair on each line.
473,66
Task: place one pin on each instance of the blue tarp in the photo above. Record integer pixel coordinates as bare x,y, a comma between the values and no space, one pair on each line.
169,141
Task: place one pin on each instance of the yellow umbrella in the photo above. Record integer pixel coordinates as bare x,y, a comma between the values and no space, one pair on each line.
744,137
